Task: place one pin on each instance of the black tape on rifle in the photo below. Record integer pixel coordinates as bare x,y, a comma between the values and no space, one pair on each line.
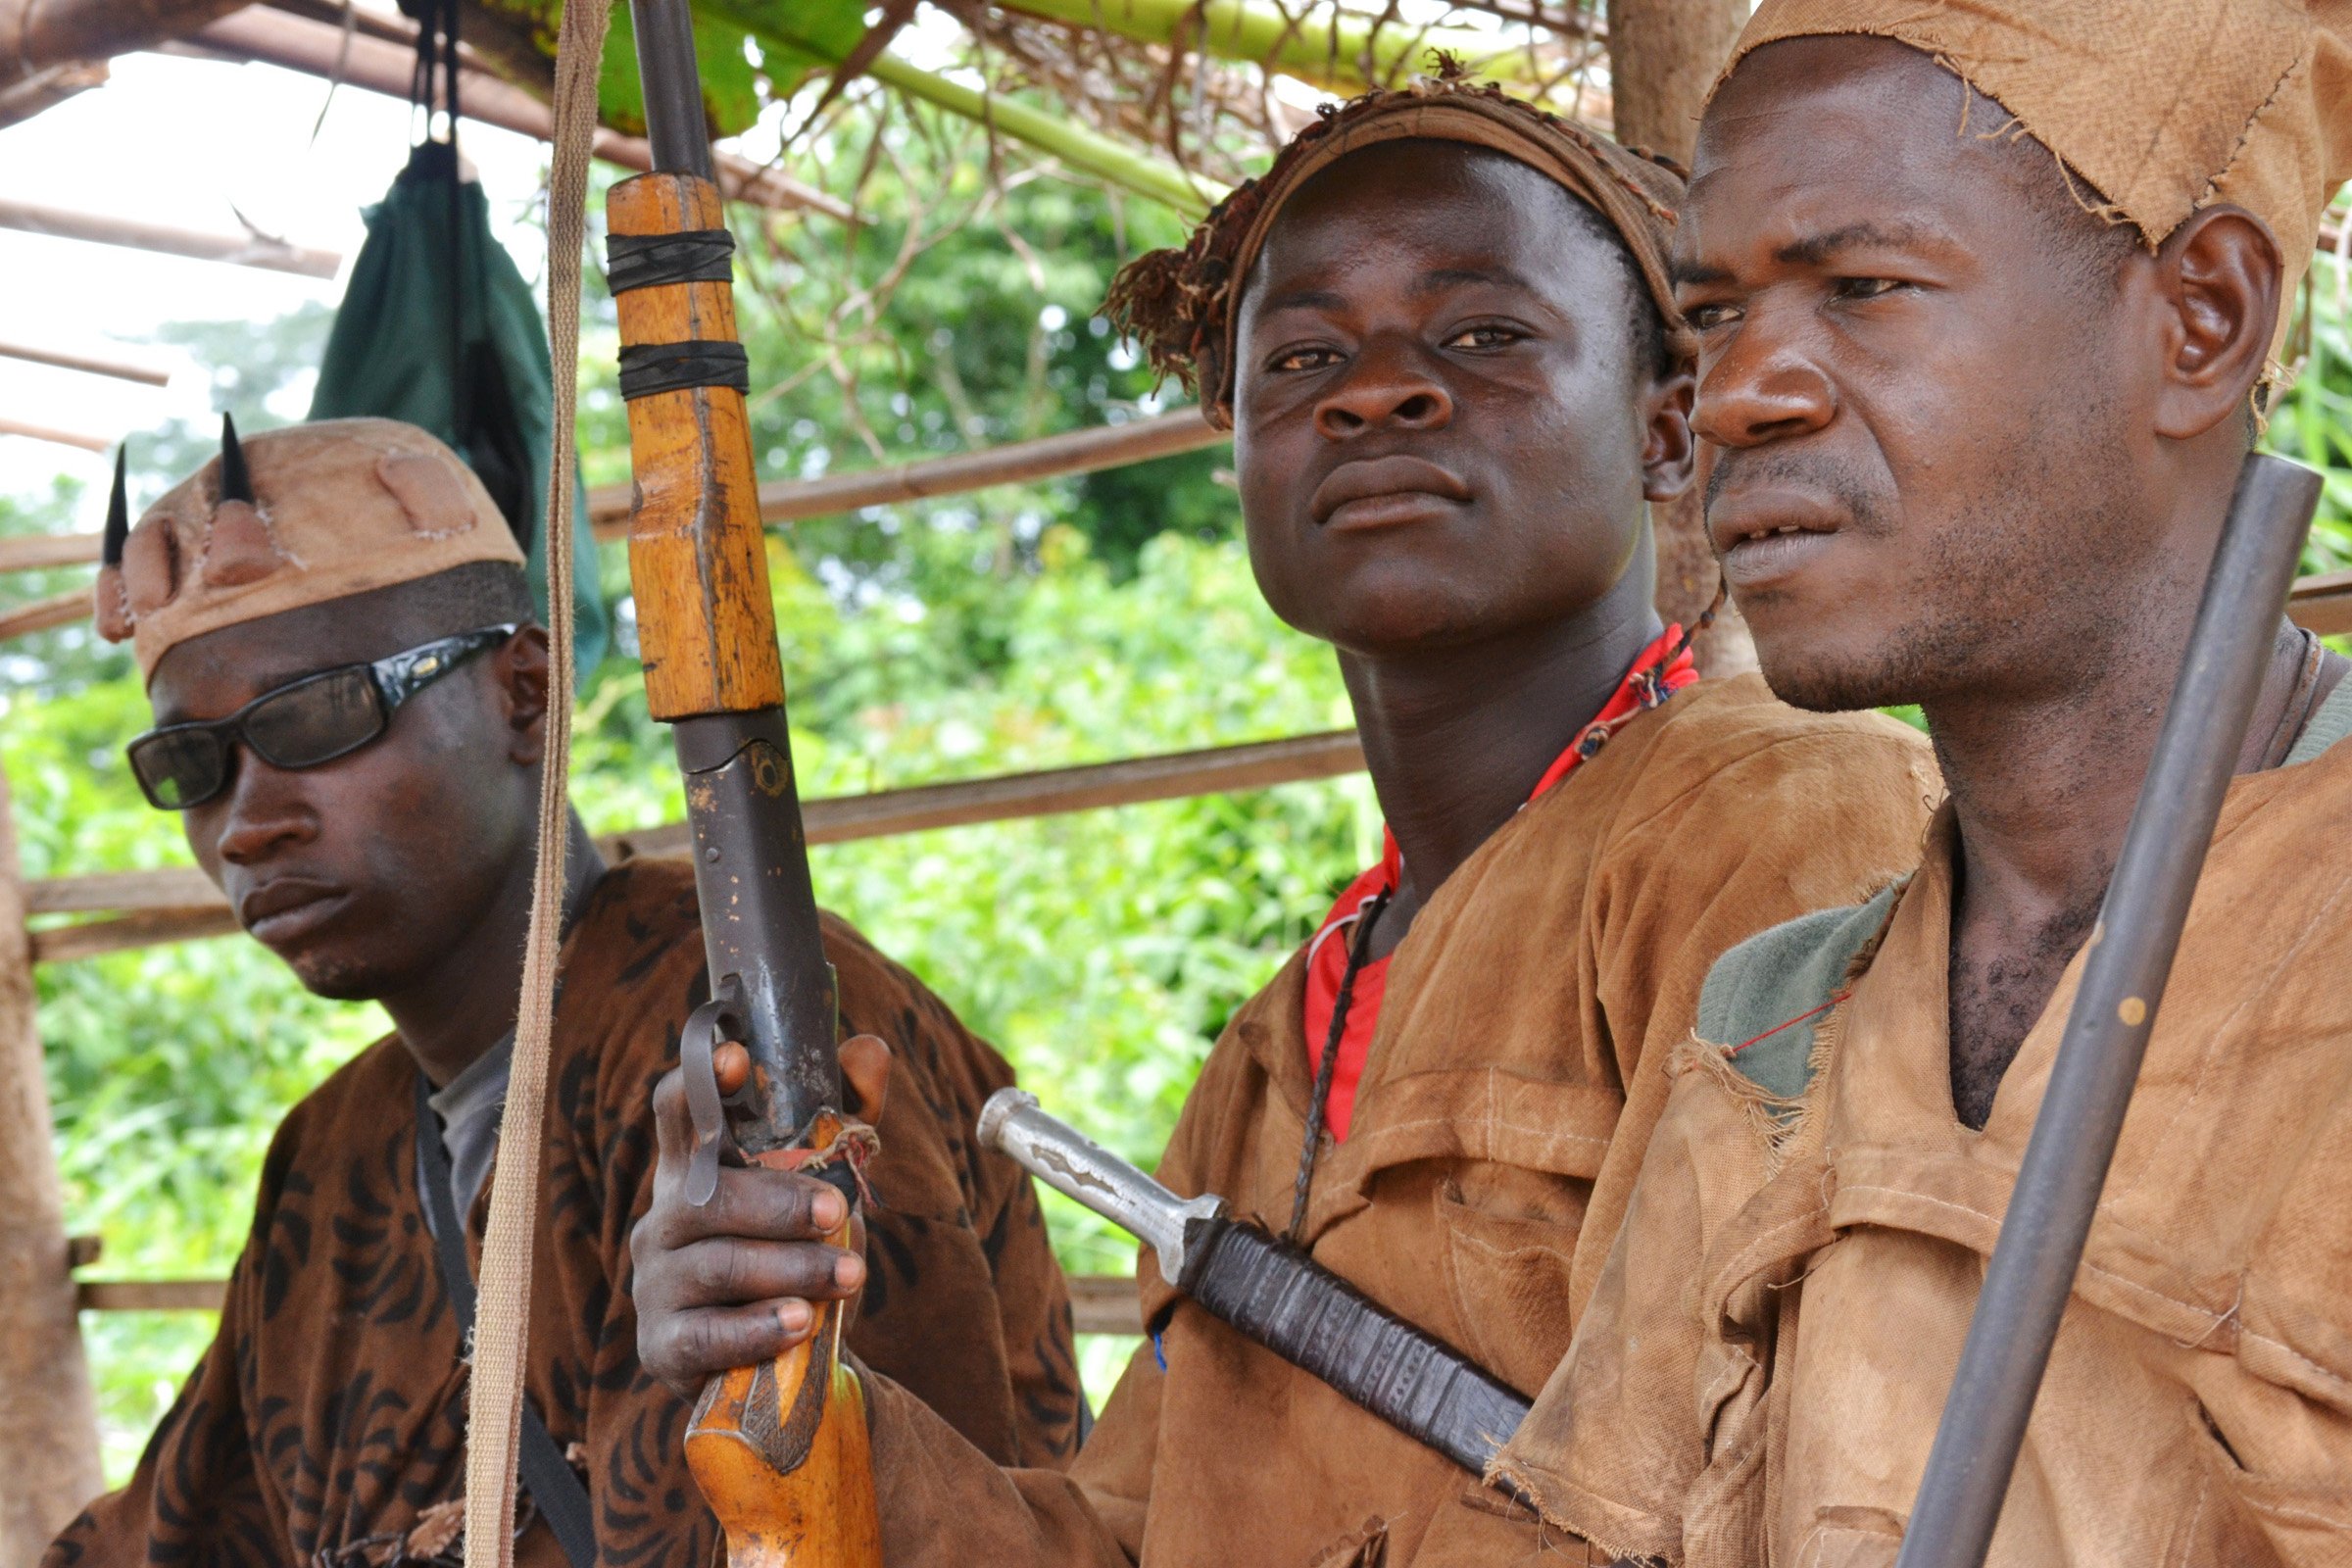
649,367
1313,1319
649,261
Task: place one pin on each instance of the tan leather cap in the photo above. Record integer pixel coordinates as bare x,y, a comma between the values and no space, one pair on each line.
338,508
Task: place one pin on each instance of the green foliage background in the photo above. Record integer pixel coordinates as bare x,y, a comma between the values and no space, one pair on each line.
1026,628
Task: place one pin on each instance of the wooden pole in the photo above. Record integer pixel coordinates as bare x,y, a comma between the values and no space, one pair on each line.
1108,446
29,95
45,615
63,438
41,551
240,250
48,1418
1100,1303
179,904
1663,56
87,363
35,34
380,66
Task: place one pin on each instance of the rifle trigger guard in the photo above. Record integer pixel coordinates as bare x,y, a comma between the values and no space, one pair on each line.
713,1021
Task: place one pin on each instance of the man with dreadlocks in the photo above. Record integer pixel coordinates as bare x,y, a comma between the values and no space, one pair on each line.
1441,328
351,690
1984,297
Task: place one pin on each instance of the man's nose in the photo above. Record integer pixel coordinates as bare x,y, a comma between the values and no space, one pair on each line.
266,812
1762,388
1385,387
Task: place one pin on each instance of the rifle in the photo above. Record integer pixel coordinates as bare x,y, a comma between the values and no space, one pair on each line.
779,1449
2031,1272
1272,1292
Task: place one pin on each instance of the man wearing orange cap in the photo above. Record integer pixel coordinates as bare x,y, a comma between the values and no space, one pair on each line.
351,697
1986,298
1441,328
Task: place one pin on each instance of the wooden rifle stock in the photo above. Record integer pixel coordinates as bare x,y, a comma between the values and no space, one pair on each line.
779,1449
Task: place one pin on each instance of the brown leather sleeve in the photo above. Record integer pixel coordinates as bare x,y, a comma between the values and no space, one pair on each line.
1798,822
945,1502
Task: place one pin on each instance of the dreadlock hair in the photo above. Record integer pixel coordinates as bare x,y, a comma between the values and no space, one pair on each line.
1179,304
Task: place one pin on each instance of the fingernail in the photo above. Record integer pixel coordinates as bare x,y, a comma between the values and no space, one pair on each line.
829,1209
794,1318
849,1271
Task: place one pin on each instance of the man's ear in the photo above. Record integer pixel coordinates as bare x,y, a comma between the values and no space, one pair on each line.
2221,282
1668,451
521,669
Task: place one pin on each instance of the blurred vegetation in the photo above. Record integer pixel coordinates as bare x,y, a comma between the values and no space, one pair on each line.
1024,628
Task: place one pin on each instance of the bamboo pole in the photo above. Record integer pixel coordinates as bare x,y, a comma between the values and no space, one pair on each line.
48,1417
376,64
181,905
87,363
1339,50
63,438
240,250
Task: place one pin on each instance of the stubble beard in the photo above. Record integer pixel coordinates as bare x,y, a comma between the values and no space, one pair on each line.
2016,590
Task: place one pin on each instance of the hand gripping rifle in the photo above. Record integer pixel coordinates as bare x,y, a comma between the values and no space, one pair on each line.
2032,1268
1272,1292
779,1449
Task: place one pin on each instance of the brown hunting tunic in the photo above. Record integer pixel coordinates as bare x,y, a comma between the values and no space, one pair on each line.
1511,1084
324,1428
1777,1404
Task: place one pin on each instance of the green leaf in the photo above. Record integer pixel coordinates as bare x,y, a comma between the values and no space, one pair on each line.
730,84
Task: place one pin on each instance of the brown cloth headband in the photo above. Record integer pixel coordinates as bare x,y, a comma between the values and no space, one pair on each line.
1182,304
1637,197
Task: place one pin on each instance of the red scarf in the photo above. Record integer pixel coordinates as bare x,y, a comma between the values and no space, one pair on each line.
1653,678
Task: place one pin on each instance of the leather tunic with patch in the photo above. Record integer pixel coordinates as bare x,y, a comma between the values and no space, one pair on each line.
1777,1404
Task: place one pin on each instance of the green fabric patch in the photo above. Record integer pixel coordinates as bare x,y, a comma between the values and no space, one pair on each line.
439,329
1762,990
2331,723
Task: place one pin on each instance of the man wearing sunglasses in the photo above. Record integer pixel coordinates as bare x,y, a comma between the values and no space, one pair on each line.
350,688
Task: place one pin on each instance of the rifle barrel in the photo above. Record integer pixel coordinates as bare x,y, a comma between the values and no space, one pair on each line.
676,131
2031,1271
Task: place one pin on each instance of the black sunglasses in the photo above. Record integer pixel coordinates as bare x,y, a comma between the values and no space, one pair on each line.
300,724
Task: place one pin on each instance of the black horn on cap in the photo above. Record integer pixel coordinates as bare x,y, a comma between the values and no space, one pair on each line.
117,514
235,483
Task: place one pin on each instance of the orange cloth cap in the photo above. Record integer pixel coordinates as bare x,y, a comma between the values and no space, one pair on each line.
2164,105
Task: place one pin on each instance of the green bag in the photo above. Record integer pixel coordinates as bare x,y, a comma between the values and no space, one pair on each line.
438,328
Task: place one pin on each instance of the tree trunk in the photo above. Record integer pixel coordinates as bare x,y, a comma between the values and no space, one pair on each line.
35,34
48,1420
1663,56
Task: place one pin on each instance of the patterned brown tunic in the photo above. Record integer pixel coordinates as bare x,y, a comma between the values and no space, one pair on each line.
324,1427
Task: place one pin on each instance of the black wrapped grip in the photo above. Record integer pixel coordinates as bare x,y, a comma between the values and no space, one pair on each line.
1276,1294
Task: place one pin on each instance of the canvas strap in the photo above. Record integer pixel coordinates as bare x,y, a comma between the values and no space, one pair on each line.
494,1417
550,1480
